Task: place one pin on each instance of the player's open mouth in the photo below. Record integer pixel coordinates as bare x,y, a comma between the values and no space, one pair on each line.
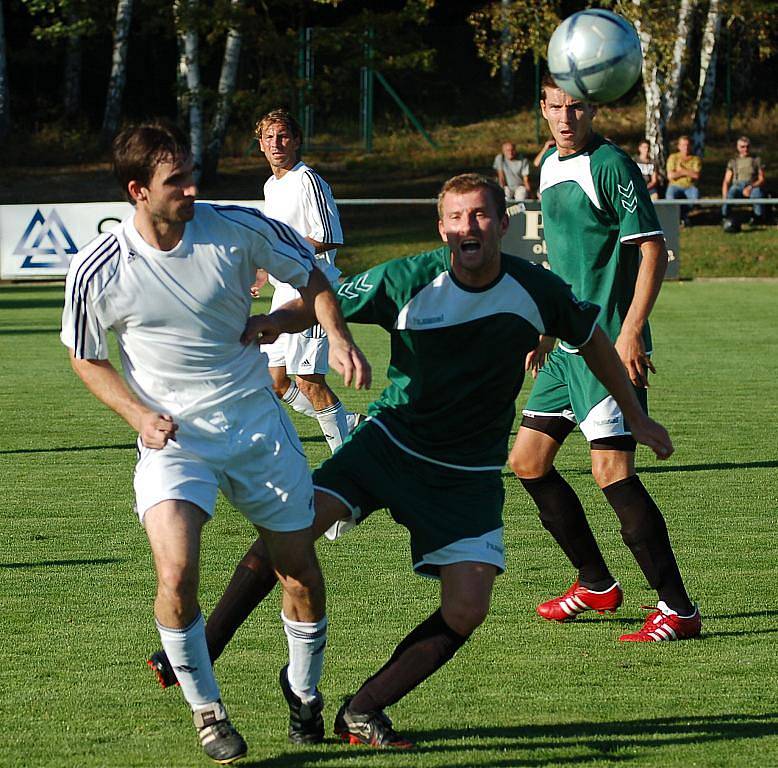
470,246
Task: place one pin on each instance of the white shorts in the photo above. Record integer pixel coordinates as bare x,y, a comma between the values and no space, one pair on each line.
249,450
300,353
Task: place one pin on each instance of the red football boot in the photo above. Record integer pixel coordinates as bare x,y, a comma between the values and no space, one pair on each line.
578,599
665,624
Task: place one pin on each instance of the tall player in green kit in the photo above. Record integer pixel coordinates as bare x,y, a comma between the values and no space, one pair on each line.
436,441
603,239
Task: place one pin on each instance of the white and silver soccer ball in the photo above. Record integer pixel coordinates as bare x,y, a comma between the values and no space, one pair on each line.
595,55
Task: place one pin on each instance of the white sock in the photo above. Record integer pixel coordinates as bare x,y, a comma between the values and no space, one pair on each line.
332,421
296,399
188,653
306,655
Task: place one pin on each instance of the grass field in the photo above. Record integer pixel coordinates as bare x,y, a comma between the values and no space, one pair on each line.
76,583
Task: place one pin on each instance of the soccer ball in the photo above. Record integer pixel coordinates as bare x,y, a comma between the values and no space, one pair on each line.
595,55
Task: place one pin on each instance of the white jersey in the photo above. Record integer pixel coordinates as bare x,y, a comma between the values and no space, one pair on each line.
178,315
303,200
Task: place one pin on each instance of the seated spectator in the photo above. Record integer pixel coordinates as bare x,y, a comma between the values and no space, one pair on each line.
648,169
512,173
744,177
683,173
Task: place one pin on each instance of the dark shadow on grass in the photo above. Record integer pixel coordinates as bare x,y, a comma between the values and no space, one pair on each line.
72,448
33,302
26,331
620,741
53,563
659,468
706,467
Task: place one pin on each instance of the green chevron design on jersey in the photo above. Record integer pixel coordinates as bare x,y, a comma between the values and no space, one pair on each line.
595,205
457,354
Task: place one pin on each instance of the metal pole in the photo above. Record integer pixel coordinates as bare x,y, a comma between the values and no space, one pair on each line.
537,98
729,85
366,93
308,76
400,103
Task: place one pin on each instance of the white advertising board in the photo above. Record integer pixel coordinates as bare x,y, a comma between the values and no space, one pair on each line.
38,241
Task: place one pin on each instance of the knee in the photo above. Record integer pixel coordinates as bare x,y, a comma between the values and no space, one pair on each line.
527,465
465,618
312,388
257,558
304,584
177,589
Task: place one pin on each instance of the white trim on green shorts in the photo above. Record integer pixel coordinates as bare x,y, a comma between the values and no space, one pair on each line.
417,455
487,548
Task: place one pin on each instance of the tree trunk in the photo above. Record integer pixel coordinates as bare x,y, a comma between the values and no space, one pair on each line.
673,89
227,79
71,85
656,123
182,94
707,86
191,63
5,107
506,60
113,101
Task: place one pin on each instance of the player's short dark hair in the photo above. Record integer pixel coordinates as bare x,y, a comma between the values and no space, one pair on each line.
283,116
469,182
546,81
139,149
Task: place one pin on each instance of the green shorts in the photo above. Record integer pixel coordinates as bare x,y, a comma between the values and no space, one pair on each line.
566,387
452,515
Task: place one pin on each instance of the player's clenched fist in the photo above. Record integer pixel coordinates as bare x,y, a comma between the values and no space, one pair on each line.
156,429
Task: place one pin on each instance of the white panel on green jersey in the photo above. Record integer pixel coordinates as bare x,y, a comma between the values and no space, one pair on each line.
577,169
442,303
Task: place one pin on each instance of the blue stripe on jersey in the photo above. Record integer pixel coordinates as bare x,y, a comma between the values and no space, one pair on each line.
321,204
283,232
89,267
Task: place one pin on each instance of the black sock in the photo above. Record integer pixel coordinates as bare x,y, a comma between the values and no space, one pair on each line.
427,648
251,582
644,531
563,517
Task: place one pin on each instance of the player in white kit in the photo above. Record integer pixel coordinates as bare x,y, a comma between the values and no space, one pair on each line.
172,283
298,196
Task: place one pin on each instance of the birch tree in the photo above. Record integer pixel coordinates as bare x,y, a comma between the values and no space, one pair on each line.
113,100
5,106
707,81
186,12
227,79
663,29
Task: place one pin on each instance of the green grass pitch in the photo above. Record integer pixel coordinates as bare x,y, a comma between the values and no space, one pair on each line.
76,583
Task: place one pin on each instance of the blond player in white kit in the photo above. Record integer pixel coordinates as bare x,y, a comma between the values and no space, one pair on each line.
298,196
172,284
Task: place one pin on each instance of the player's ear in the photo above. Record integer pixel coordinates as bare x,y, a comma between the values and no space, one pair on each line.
137,191
442,231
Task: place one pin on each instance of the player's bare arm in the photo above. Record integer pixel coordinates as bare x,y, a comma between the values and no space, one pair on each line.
536,359
105,383
630,344
601,357
320,247
318,304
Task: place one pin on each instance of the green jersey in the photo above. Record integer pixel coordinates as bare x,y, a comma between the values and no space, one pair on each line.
457,353
595,206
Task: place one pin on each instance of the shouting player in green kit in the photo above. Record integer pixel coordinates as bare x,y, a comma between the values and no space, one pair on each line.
433,448
603,239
